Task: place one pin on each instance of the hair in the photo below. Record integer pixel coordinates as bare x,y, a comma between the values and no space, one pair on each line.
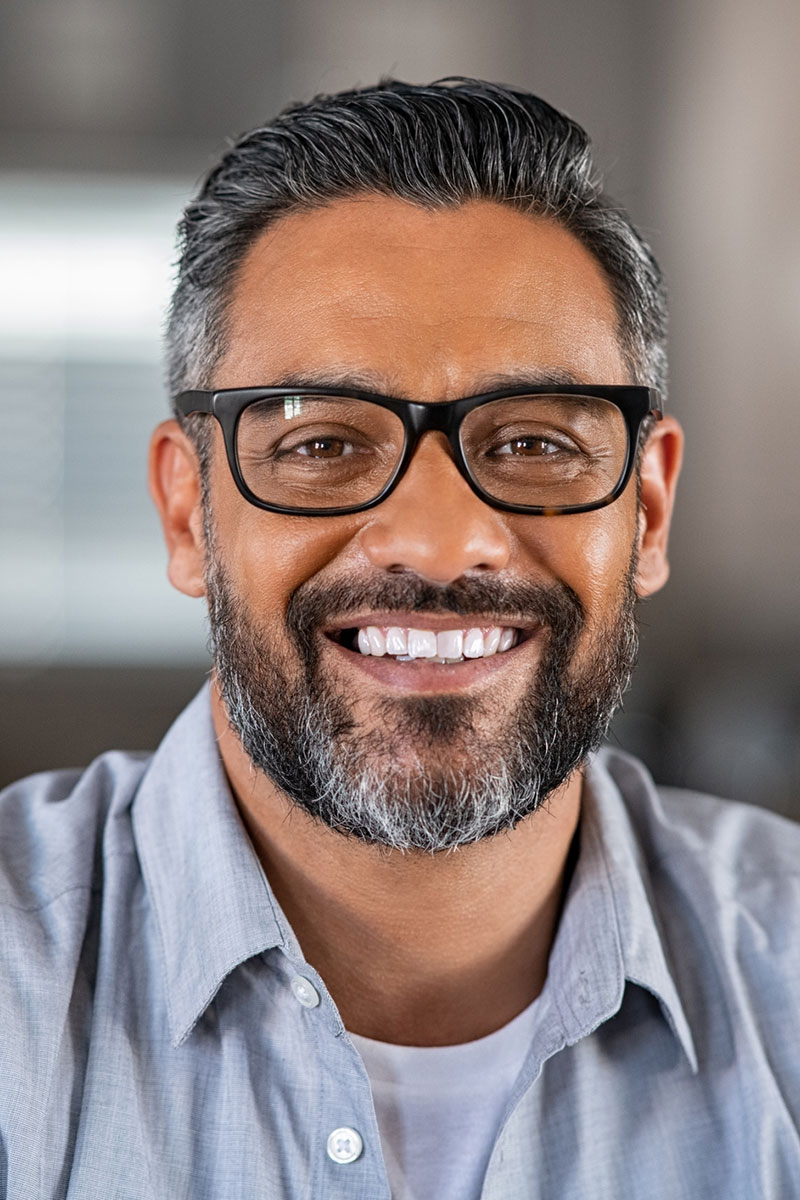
438,146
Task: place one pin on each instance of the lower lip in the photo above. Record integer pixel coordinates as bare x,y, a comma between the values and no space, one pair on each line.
422,675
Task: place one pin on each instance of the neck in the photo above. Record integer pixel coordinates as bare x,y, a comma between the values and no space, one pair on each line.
415,949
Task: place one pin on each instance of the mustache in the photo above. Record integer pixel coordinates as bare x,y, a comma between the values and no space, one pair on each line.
554,605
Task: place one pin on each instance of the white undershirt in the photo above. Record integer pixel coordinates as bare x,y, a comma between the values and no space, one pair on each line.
439,1108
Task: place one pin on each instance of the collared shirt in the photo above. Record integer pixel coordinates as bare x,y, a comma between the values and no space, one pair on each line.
164,1039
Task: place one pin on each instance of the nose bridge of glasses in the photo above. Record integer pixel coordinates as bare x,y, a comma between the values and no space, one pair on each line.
439,417
442,417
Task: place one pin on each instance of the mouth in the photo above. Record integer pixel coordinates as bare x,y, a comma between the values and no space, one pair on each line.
428,640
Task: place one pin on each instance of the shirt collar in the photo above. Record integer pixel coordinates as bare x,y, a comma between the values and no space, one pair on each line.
212,903
610,916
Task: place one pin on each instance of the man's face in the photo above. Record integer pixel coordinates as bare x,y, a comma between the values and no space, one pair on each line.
376,293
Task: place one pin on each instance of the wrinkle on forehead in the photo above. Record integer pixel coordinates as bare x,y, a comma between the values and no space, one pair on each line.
346,377
431,304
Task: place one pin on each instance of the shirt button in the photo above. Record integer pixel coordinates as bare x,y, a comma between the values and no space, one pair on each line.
304,991
345,1145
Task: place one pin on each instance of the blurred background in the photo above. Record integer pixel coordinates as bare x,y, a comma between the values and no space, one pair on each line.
110,112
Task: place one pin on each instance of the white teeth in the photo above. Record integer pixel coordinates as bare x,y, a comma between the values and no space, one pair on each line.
396,641
473,644
449,646
491,641
507,638
421,643
450,643
377,642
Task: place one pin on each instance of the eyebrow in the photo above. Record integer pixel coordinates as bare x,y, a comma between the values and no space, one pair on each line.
347,377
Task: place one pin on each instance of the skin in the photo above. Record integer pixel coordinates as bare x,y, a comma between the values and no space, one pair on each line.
427,305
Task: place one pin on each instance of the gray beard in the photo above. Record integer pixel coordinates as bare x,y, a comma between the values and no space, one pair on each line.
424,777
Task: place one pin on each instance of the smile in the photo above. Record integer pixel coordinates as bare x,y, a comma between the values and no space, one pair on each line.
407,643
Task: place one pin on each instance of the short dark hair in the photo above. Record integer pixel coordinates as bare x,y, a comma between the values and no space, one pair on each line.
436,145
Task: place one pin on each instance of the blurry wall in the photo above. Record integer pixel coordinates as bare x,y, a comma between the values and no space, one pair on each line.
110,110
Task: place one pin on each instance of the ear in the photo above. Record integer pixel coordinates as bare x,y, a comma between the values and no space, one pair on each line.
659,469
175,485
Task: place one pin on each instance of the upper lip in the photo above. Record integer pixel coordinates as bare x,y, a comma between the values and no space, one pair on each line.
437,622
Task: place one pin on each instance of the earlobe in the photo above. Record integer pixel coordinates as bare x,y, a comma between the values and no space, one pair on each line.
175,486
658,473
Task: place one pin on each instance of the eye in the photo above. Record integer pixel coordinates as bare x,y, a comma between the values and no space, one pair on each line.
322,447
529,447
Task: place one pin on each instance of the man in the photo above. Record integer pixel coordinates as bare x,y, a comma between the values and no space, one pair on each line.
377,918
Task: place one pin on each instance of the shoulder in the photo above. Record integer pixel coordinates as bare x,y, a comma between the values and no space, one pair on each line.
720,882
57,828
732,845
723,882
64,837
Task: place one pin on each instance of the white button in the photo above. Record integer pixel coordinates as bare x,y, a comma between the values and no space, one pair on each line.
304,991
345,1145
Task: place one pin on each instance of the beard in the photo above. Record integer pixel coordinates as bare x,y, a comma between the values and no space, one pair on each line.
425,775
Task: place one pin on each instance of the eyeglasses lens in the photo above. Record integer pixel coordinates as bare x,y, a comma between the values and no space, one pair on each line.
548,451
318,451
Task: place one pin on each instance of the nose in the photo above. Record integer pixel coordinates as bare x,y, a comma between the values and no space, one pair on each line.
434,524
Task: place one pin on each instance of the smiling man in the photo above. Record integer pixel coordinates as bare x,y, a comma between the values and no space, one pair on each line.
379,918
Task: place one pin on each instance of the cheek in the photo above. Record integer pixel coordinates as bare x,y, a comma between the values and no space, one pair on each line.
591,553
267,555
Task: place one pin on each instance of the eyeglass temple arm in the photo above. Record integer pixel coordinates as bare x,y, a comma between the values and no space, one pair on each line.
187,403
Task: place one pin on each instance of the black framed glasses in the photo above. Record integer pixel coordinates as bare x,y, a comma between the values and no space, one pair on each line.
322,451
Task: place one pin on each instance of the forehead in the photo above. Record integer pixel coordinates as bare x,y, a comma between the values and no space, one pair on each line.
428,303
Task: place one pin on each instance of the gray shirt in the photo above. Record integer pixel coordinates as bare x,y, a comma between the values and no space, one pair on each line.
162,1037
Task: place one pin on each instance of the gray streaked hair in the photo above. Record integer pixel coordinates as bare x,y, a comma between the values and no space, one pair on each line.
437,145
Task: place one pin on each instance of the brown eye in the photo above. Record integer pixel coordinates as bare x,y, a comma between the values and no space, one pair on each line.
324,448
533,447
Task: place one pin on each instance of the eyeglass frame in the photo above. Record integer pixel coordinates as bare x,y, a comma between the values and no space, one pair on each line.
227,405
